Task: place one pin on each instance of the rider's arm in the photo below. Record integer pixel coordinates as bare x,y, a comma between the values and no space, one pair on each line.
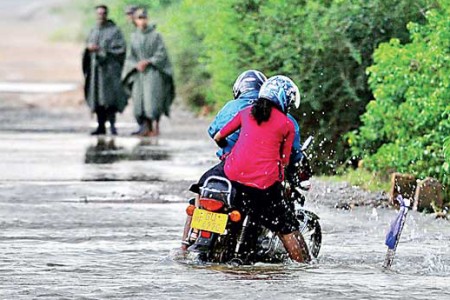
117,45
228,112
229,128
220,140
159,56
217,124
287,145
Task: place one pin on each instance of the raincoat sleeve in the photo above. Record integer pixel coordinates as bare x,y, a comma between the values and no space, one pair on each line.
131,61
113,46
159,57
214,126
129,70
287,144
117,45
231,126
132,58
90,38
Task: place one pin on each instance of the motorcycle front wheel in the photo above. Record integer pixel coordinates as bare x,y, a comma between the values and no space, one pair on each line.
311,230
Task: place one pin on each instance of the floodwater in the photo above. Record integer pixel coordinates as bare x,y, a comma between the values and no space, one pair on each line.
89,218
101,218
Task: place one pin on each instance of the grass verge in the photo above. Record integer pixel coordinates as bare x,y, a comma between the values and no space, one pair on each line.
367,180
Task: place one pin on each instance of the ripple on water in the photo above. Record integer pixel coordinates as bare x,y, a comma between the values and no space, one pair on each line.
126,251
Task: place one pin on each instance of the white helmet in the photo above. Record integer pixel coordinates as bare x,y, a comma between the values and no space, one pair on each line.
282,91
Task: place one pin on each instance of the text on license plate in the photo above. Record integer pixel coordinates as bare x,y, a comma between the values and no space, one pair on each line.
209,221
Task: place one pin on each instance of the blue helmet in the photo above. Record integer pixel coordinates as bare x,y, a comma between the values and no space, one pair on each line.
282,91
250,80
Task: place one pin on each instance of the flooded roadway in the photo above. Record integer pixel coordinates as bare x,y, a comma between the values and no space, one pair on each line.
88,218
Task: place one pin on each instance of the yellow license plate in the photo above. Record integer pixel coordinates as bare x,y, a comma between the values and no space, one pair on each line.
209,221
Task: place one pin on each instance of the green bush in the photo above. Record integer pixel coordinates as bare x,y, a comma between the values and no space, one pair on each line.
407,127
325,46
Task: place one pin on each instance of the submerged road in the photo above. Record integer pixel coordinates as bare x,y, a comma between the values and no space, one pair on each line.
89,218
101,218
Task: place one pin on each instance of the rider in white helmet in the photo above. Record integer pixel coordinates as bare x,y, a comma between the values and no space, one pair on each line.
257,161
245,91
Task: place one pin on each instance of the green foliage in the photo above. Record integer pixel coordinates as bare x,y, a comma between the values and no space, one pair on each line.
407,127
186,45
447,152
324,46
203,37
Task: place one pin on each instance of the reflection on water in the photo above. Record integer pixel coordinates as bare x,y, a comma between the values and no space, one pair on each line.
107,176
106,151
126,251
245,272
146,150
254,272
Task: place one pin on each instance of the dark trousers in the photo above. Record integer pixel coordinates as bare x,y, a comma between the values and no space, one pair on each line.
105,114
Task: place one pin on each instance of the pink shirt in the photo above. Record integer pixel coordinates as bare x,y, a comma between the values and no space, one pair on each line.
262,151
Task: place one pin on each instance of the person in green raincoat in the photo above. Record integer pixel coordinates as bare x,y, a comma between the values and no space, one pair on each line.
103,61
148,75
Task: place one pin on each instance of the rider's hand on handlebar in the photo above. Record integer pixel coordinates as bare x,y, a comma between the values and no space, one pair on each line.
222,143
220,140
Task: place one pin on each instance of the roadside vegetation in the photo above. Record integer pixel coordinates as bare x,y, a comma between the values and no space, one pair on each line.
373,74
367,180
406,128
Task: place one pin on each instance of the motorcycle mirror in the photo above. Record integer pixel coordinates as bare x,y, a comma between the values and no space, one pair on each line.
307,143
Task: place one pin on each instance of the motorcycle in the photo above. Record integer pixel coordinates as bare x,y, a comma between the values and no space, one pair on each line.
221,233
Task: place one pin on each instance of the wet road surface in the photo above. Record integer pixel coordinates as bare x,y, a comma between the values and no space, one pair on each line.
101,218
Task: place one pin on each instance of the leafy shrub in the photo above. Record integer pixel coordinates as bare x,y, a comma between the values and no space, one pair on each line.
407,127
324,46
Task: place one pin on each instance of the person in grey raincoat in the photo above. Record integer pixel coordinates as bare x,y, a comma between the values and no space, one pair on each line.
103,61
148,75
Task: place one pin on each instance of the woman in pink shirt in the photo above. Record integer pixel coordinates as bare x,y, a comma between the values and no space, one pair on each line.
259,157
256,162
